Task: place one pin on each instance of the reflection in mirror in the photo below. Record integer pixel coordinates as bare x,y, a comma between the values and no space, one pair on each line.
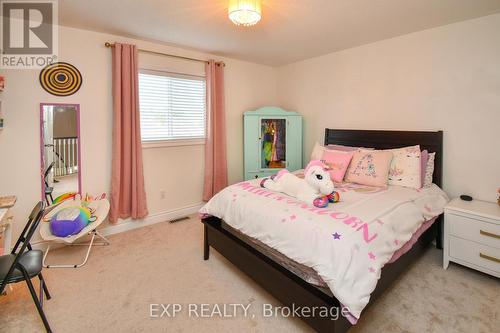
60,150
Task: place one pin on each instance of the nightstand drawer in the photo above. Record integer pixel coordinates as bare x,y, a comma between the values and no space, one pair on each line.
474,230
477,254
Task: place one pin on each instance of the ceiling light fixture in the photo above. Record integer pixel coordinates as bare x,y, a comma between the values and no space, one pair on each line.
245,12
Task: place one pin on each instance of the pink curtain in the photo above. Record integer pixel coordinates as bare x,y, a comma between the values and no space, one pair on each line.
215,144
128,196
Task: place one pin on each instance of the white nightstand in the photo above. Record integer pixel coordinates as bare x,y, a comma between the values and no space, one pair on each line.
472,235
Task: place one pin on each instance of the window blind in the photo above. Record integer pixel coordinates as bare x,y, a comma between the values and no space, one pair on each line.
172,106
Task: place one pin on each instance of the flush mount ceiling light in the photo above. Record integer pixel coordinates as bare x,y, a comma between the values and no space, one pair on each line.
245,12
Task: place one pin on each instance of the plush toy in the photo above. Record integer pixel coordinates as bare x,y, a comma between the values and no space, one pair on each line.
70,221
323,201
316,188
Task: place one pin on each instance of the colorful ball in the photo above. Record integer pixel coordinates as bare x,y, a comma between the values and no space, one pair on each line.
69,221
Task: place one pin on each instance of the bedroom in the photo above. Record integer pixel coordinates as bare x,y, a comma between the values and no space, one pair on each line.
353,65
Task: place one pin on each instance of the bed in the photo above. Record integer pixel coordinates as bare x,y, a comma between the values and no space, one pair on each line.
280,278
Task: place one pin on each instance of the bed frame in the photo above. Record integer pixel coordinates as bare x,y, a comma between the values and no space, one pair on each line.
287,287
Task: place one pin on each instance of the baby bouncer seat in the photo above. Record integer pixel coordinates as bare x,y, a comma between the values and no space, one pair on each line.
99,209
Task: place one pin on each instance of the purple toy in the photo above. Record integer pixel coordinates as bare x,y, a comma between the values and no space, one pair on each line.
69,221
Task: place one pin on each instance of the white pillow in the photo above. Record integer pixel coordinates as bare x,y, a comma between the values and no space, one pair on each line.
405,167
317,152
429,170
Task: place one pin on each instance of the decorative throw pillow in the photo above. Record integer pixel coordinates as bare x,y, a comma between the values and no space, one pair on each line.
405,167
424,157
369,167
337,163
346,148
429,170
317,151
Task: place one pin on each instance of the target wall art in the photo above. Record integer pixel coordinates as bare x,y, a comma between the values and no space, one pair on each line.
61,79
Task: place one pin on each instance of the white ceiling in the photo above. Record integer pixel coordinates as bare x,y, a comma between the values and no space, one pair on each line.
290,30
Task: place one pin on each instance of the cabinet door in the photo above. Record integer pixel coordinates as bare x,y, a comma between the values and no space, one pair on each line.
273,143
251,143
294,140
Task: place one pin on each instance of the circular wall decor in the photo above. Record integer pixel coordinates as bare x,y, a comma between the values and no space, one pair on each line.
61,79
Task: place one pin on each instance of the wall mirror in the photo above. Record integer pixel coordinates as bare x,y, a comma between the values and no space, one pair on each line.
60,149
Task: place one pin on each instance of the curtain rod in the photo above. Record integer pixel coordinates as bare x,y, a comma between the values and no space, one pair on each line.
108,44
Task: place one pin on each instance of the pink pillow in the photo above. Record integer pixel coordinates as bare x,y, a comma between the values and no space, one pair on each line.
370,168
424,157
337,163
346,148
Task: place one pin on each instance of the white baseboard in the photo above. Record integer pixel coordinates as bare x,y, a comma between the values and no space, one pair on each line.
129,224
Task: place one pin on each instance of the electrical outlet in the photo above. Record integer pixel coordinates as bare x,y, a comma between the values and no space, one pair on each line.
162,194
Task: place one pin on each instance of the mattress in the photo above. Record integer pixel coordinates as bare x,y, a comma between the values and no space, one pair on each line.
306,273
343,246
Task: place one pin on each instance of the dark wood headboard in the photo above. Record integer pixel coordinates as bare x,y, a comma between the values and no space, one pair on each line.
432,141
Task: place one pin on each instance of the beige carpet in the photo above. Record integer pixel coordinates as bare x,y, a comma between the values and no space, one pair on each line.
163,264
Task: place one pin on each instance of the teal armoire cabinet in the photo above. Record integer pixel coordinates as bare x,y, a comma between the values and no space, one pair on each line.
272,141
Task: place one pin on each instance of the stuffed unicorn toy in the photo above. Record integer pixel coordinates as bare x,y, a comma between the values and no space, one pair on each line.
316,188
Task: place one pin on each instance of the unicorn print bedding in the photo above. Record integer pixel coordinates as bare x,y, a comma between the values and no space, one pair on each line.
346,243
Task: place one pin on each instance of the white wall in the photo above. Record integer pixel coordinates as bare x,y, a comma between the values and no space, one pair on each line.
444,78
177,170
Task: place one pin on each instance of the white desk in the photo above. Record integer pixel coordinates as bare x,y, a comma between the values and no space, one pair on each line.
6,232
6,229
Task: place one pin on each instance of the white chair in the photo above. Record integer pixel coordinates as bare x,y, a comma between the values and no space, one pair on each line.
101,208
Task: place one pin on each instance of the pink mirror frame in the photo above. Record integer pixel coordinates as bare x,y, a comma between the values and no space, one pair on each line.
42,148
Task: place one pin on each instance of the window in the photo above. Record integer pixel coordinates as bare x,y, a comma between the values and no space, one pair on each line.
172,106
